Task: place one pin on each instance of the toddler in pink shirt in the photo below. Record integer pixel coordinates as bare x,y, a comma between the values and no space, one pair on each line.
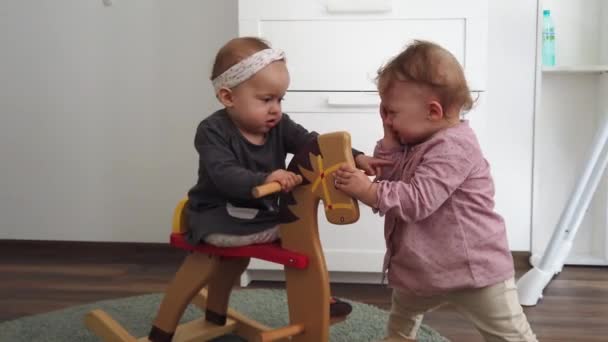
444,241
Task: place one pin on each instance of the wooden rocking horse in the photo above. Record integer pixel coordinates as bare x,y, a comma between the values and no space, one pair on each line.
209,273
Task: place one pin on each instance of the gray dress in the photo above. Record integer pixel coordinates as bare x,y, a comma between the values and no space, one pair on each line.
229,168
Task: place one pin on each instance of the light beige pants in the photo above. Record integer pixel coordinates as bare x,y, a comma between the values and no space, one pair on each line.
494,310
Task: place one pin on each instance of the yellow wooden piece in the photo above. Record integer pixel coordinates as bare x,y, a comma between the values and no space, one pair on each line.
308,289
266,189
194,274
247,328
179,218
104,326
270,188
201,330
280,333
335,151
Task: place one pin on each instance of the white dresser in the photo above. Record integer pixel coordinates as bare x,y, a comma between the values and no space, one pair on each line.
334,49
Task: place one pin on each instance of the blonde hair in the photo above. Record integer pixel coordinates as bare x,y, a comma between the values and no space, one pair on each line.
429,65
235,51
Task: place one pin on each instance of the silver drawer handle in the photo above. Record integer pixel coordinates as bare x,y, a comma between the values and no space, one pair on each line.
358,6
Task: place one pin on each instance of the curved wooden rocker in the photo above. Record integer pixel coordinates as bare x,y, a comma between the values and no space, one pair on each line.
209,273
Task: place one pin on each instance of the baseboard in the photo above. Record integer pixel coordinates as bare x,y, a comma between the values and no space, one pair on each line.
272,273
334,277
131,252
85,251
521,260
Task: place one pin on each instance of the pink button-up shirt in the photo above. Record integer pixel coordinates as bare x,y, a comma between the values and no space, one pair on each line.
441,230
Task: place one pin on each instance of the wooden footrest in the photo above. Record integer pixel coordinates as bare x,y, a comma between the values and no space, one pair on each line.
104,326
200,330
281,333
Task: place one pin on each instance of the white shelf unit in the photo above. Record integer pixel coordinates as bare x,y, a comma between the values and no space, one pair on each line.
576,69
571,101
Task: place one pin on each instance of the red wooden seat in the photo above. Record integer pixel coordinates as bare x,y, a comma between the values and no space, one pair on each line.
272,252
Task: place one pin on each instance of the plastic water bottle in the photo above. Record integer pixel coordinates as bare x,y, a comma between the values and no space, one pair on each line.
548,39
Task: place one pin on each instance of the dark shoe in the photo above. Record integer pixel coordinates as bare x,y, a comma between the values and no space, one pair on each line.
338,308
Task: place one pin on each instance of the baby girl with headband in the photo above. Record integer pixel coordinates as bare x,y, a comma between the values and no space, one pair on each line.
244,145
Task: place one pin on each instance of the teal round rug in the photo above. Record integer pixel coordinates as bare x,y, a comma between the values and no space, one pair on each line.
365,323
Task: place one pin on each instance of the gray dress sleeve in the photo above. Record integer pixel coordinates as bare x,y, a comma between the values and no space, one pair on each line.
232,180
295,136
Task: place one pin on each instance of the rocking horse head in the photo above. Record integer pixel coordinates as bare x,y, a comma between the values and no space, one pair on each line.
316,163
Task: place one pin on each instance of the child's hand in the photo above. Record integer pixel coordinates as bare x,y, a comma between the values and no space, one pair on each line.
356,184
287,179
391,139
372,166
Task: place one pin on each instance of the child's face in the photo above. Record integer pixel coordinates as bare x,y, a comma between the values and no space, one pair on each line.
409,112
256,103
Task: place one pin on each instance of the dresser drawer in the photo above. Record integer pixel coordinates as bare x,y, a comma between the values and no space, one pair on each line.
333,50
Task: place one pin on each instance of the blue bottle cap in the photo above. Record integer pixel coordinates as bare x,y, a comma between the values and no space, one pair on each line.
546,13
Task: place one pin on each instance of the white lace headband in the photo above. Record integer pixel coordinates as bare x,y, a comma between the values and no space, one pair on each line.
246,68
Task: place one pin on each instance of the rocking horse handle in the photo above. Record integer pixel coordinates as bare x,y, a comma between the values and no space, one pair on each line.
270,188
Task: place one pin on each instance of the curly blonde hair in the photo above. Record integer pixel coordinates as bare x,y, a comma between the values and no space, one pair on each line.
429,65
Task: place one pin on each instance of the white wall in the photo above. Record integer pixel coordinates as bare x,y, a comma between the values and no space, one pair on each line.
603,33
507,139
99,106
98,110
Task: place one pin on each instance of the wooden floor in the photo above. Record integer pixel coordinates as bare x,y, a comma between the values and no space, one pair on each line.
37,277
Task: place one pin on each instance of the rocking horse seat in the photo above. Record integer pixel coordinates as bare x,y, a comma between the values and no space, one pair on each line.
272,252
